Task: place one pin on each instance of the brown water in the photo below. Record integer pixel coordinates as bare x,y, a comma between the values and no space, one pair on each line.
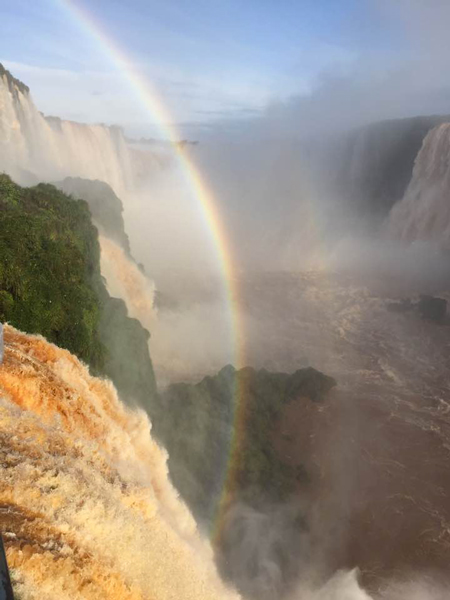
86,508
378,449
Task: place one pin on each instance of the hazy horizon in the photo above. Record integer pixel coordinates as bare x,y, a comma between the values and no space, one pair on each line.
265,67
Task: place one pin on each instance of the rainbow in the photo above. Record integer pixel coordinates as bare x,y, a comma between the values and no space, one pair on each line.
148,98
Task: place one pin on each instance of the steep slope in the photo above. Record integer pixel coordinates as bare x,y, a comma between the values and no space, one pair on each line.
88,512
36,148
106,208
424,211
50,283
371,167
224,460
14,85
125,279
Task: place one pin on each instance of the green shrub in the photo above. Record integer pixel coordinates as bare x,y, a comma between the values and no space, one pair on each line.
49,268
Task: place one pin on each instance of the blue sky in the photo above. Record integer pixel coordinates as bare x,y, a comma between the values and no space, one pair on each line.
208,59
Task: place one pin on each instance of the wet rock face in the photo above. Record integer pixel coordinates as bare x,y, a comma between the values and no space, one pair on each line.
434,309
312,384
428,307
371,166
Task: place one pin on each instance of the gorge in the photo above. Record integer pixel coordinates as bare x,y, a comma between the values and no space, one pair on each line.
297,479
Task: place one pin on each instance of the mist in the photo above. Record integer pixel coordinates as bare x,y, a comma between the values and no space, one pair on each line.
308,194
397,78
319,265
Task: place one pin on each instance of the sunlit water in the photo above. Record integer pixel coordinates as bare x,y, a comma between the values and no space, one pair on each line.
87,510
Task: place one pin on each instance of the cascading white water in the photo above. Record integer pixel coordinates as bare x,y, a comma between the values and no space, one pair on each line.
125,280
424,212
35,148
86,507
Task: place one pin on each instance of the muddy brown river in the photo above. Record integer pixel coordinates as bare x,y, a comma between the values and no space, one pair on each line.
379,447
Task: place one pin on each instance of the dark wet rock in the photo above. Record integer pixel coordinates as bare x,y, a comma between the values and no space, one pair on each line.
198,421
229,454
310,383
44,236
6,591
371,166
433,309
402,306
106,208
127,361
428,307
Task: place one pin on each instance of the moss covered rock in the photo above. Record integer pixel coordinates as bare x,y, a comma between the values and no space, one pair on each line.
127,361
202,424
49,274
50,283
106,208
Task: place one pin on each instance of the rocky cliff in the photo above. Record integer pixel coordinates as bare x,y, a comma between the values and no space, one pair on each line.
371,167
106,208
50,283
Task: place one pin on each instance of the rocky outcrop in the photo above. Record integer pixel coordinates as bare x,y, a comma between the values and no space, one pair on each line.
106,208
434,309
127,361
371,167
196,425
224,458
424,213
50,283
428,307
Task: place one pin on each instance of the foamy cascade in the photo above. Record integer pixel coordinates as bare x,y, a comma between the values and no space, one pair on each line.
424,211
125,280
86,507
50,149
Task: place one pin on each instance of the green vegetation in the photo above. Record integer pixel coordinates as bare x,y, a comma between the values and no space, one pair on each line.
221,437
128,361
50,283
49,274
197,425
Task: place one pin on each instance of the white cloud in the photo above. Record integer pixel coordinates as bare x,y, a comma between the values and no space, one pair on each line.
107,96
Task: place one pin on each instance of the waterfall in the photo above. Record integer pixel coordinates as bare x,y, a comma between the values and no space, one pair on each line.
424,212
125,280
35,148
86,507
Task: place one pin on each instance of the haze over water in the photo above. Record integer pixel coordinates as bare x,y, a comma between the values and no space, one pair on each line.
336,224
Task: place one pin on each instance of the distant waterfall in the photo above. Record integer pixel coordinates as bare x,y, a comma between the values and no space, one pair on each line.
424,211
126,280
35,148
